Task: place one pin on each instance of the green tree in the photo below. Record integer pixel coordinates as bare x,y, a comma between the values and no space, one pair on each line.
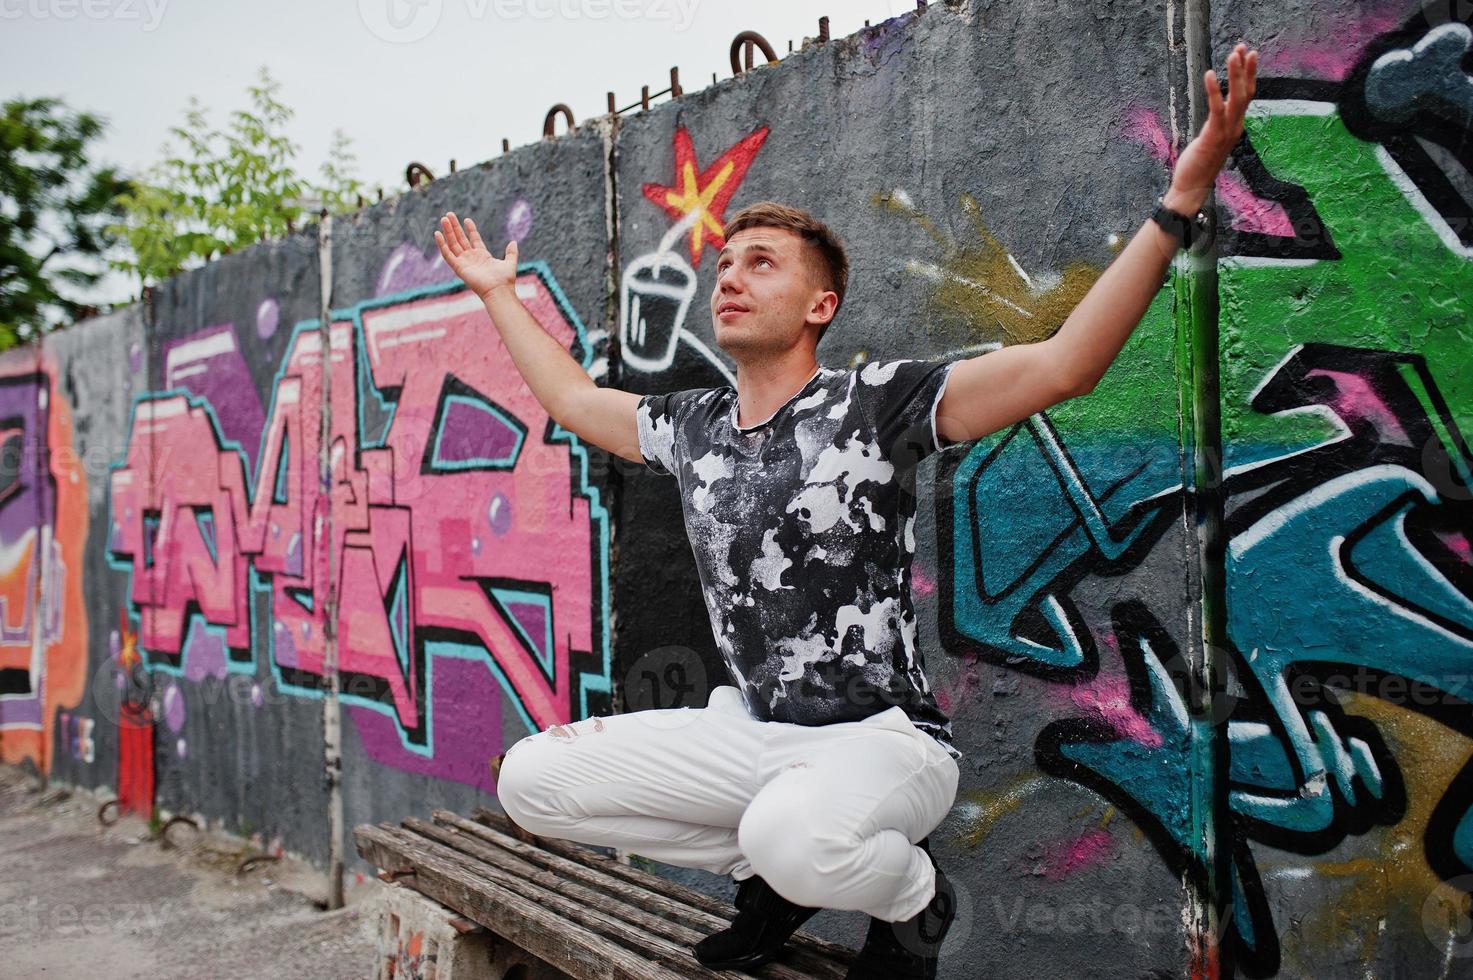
340,190
226,189
56,208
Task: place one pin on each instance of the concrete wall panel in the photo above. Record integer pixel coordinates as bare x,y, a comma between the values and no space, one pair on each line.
170,539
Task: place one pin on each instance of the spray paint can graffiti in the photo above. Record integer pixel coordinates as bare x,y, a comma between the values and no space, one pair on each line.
654,297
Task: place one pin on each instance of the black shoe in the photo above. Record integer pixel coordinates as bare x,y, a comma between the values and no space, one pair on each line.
763,923
908,950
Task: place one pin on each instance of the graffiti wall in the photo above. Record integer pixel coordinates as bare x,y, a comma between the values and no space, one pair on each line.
43,520
1346,399
1238,744
1263,825
476,535
96,368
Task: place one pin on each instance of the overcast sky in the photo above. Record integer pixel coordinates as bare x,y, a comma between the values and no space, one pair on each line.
425,80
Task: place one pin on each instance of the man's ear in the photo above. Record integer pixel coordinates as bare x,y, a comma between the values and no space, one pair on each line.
825,307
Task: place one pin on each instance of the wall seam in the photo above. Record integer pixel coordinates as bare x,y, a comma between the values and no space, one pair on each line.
613,352
1198,345
332,720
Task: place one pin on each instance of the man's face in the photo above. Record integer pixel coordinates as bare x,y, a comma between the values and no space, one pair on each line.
765,295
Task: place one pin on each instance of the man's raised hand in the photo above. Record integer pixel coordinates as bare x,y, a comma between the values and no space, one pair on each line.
469,258
1197,167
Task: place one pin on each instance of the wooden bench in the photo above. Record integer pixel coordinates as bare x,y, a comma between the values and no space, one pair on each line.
570,906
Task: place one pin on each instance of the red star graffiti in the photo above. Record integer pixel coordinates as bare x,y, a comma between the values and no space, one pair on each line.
708,191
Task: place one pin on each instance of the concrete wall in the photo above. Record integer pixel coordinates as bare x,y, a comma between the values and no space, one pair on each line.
1204,634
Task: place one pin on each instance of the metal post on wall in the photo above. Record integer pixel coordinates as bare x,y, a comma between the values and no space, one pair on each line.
1198,394
41,555
742,57
332,716
145,740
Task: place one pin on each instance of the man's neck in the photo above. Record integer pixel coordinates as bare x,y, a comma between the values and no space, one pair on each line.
764,388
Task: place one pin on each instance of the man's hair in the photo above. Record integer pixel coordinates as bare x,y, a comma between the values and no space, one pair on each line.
824,251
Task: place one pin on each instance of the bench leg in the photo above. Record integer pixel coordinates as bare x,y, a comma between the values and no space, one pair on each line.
420,939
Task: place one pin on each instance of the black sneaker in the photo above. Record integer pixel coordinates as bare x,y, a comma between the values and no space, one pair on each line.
763,923
910,949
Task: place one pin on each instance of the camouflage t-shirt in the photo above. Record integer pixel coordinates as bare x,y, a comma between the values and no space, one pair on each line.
803,528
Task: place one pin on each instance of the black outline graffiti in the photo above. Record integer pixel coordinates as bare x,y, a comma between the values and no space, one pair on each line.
454,387
1254,492
1311,238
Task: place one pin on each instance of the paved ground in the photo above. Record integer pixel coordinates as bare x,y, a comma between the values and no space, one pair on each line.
79,900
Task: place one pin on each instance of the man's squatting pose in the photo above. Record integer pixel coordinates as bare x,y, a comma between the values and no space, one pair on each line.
816,780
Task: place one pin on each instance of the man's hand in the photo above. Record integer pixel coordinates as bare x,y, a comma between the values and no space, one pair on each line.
468,256
605,417
1197,167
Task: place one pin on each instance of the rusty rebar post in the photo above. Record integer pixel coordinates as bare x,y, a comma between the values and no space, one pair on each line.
823,30
744,44
552,114
675,90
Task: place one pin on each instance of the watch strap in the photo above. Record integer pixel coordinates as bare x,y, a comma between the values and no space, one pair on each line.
1186,230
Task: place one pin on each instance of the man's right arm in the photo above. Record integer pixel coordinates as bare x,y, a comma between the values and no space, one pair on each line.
602,416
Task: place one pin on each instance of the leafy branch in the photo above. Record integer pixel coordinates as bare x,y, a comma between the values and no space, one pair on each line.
55,214
223,190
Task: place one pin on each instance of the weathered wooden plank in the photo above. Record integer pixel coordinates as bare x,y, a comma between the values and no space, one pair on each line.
654,883
591,920
595,877
538,930
590,857
626,905
804,952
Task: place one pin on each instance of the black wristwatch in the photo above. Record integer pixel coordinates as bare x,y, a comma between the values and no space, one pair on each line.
1185,230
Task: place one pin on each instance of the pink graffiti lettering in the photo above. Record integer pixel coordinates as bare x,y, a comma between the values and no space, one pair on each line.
462,503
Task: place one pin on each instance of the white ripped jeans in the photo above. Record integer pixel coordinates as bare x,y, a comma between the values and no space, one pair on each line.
828,815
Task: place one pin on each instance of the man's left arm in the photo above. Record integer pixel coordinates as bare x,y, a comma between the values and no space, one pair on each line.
999,388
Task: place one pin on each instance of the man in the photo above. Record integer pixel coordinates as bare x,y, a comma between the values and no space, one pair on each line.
816,779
